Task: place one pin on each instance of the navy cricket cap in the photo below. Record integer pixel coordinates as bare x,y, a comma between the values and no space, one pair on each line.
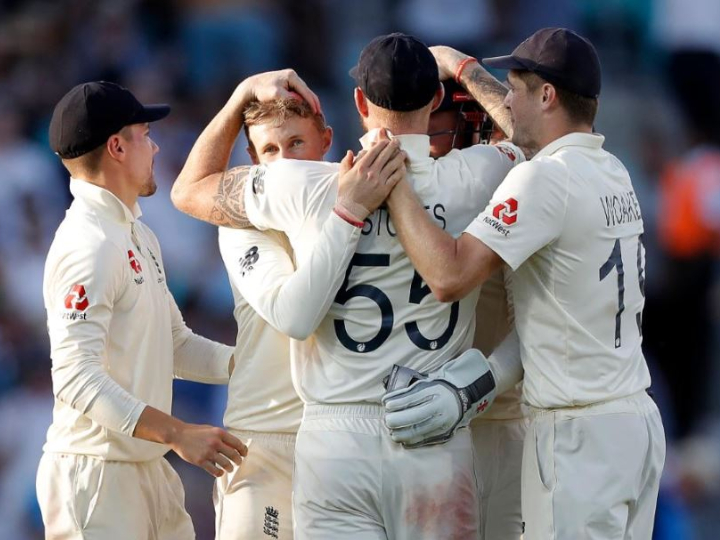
397,72
89,113
558,55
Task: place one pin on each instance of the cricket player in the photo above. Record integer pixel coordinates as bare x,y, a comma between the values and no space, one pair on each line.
497,434
351,479
568,224
263,409
255,499
118,339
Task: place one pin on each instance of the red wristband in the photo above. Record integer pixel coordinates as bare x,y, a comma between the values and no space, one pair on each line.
461,67
346,217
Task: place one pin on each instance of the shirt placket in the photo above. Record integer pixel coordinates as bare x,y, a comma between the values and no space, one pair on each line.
158,276
138,246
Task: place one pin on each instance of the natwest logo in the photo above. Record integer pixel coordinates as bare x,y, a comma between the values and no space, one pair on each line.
506,211
507,151
76,298
134,263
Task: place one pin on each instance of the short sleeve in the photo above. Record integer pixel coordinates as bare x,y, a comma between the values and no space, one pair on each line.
491,163
525,213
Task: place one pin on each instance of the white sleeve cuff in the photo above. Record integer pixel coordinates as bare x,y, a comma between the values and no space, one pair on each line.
505,363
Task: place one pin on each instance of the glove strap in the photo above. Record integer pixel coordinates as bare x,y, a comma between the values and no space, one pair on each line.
474,393
401,377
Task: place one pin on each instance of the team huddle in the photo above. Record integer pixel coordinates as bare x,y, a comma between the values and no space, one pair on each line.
438,337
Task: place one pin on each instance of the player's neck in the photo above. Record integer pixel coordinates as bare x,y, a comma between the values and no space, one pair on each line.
554,130
399,128
116,185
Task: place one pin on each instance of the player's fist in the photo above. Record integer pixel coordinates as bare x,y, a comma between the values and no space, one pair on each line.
208,447
448,60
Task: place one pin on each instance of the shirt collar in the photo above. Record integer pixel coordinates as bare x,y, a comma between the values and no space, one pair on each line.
586,140
416,146
103,201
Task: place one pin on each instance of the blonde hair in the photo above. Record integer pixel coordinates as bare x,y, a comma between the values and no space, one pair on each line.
278,111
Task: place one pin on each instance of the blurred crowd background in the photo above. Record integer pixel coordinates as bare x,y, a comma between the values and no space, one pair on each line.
660,112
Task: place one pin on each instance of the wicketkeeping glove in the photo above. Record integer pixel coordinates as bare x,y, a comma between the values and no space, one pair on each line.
421,410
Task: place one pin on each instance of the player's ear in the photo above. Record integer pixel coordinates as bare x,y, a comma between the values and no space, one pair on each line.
438,97
327,138
116,147
361,103
253,155
548,96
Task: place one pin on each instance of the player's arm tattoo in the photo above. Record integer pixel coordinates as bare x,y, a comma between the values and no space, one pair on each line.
229,201
490,93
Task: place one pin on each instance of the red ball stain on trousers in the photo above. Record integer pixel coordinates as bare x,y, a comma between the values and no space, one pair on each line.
447,511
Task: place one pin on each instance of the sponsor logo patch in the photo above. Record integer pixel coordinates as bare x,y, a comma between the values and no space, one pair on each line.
76,298
495,224
507,151
136,267
134,263
248,260
507,211
482,406
257,177
76,301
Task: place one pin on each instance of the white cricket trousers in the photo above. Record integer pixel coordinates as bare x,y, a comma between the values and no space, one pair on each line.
255,500
83,497
593,473
498,464
352,482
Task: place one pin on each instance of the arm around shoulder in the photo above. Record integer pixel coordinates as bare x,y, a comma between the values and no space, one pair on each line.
451,267
472,263
292,301
217,198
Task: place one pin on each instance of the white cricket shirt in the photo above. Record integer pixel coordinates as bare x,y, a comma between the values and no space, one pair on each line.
569,224
273,301
117,337
383,313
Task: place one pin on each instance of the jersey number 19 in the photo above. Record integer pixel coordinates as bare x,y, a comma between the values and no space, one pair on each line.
615,261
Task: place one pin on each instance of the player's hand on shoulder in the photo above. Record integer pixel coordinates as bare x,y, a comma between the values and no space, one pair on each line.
448,60
272,85
209,447
367,179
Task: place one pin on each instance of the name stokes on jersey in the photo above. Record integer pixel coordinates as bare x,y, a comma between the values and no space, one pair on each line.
620,208
379,221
